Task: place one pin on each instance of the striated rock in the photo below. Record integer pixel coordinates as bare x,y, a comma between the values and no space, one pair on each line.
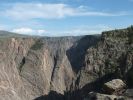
65,68
114,86
34,66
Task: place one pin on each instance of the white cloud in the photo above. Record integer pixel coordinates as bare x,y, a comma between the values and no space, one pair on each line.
81,30
41,32
87,30
24,11
23,30
2,27
29,31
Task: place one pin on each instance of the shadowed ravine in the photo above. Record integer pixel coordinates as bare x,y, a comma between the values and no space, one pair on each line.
67,68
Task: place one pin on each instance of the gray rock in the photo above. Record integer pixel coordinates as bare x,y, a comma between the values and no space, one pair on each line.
113,86
129,93
32,67
98,96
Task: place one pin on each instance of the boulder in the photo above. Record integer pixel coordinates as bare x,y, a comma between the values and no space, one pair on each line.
114,86
129,93
98,96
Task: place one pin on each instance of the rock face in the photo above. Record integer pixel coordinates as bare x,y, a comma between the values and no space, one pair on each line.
129,93
98,96
34,66
64,68
116,85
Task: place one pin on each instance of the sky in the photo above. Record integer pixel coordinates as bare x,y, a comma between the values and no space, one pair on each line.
64,17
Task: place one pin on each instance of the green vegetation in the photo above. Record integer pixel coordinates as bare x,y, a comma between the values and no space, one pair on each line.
110,66
22,64
130,50
38,45
130,34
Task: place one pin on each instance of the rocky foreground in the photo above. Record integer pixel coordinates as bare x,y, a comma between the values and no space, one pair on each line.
93,67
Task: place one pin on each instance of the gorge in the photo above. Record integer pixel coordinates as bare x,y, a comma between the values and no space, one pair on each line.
66,68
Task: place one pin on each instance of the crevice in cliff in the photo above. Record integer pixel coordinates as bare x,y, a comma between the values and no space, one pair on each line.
76,54
79,94
55,59
22,64
103,62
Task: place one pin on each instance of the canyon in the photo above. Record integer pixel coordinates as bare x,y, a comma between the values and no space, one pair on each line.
66,68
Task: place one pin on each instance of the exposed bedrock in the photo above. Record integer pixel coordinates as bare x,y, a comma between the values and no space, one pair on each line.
65,68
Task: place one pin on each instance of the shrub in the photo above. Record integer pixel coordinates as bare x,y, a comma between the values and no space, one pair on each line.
37,45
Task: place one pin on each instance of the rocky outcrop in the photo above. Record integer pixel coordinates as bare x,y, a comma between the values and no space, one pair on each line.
64,68
98,96
129,93
111,58
114,86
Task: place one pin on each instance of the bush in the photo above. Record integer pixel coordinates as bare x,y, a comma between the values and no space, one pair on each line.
130,34
37,45
110,66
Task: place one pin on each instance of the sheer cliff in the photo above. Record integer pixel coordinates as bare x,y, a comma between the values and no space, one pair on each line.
63,68
34,66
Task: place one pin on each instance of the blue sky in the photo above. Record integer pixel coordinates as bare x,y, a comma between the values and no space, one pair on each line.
64,17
